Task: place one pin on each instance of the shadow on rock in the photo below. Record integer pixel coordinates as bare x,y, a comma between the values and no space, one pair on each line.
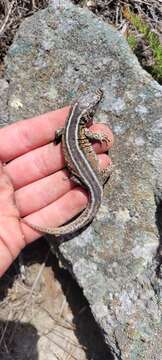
159,226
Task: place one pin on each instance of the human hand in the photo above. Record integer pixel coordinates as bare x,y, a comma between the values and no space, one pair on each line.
32,181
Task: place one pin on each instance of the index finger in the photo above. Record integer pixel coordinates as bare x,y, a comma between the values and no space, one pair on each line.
25,135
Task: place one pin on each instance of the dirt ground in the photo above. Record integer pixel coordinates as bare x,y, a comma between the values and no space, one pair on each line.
43,313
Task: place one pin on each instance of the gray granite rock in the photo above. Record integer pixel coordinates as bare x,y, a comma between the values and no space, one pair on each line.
57,54
3,102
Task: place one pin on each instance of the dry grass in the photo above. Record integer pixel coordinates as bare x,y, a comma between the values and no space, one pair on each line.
112,10
148,13
27,309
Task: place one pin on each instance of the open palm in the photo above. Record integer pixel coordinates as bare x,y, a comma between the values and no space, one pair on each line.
32,181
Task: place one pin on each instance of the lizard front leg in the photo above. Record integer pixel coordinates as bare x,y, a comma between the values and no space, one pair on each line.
96,136
104,174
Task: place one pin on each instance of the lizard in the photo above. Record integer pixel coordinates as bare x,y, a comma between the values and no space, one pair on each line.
81,161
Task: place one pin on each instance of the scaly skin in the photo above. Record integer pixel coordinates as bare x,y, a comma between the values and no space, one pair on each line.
81,161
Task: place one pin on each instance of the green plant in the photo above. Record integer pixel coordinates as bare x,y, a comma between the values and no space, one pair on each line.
132,41
151,38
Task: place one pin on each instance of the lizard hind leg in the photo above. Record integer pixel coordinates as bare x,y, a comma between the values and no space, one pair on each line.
96,136
75,179
58,135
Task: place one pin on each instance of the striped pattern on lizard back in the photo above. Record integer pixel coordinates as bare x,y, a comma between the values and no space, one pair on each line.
82,162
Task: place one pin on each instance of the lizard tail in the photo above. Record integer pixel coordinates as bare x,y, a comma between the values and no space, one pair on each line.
85,218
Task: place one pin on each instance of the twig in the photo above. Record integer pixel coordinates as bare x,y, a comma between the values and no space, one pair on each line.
4,332
6,18
60,346
67,324
33,4
68,338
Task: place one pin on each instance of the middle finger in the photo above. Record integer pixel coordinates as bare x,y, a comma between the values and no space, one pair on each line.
46,160
41,193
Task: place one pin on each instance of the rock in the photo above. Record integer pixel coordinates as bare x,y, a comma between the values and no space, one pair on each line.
57,54
3,102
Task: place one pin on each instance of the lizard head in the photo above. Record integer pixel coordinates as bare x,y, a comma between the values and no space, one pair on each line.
88,105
